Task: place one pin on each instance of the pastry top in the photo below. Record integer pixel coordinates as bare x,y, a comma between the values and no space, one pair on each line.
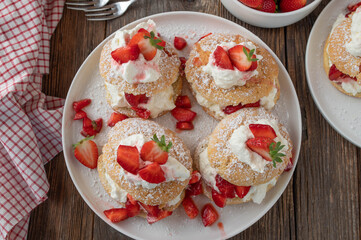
203,83
151,194
245,167
337,52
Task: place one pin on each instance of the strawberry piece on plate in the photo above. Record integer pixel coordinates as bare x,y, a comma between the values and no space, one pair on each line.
151,210
86,151
291,5
152,173
135,100
116,117
125,54
221,58
183,114
116,214
266,148
128,158
196,176
252,3
184,125
179,43
132,209
241,57
268,6
80,115
289,165
262,130
183,102
242,191
219,198
226,188
190,207
162,214
156,150
91,127
194,189
79,105
209,215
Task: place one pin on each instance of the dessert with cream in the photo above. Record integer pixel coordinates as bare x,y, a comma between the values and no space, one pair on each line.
230,72
140,72
145,168
243,157
342,52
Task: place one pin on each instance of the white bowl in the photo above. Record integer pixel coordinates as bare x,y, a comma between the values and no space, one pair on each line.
268,20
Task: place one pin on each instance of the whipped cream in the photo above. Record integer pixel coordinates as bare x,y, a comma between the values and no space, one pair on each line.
225,78
268,102
208,172
352,87
173,170
257,193
237,144
354,47
115,191
162,101
117,98
175,200
140,70
217,109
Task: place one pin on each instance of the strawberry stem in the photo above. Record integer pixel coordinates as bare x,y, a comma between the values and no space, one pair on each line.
154,41
161,143
83,140
249,55
275,152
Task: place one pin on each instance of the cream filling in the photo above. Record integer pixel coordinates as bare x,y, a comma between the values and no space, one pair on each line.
115,191
354,47
258,192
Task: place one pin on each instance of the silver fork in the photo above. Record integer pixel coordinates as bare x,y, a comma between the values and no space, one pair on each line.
82,5
108,12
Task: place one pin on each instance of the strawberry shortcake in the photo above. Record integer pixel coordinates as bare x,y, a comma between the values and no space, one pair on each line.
342,52
243,157
145,168
230,72
140,72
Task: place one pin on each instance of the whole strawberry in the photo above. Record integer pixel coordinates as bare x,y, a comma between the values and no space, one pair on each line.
268,6
291,5
252,3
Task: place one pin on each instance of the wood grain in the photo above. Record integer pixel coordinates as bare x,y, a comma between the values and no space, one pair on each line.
323,199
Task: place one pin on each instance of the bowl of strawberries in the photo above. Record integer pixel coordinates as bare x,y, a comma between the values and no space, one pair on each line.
270,13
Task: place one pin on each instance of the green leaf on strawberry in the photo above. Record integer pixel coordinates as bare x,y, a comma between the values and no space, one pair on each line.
161,143
249,55
275,152
154,41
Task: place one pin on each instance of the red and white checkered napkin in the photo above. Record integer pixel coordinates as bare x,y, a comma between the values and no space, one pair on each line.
30,122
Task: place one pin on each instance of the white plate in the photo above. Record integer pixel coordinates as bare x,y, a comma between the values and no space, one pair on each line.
88,83
343,112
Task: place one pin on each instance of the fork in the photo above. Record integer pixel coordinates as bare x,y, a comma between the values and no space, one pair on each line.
82,5
108,12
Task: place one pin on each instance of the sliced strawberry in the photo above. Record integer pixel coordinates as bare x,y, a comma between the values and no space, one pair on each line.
183,102
334,73
128,158
143,30
249,105
91,127
162,214
132,209
151,210
242,191
80,115
141,112
219,198
221,58
209,215
289,165
125,54
86,151
147,43
79,105
135,100
262,130
116,117
153,153
208,34
152,173
179,43
231,109
116,214
254,63
184,125
183,114
196,176
252,3
226,188
194,189
190,207
131,199
261,146
239,58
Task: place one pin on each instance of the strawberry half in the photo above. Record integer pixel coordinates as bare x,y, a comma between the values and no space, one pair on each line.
80,115
152,173
125,54
156,150
226,188
194,189
219,199
135,100
190,207
151,210
116,214
266,148
147,43
79,105
183,114
262,130
132,209
116,117
184,125
179,43
242,191
334,73
241,57
128,158
209,215
162,214
86,151
291,5
196,176
183,102
221,58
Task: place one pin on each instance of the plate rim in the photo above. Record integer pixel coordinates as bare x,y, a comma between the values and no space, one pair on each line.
218,18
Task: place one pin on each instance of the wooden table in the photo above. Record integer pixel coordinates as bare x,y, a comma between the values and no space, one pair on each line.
323,199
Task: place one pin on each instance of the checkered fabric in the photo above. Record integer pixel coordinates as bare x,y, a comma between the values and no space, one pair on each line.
30,122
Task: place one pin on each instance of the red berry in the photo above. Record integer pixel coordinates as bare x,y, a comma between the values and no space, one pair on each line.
262,130
196,176
221,58
242,191
152,173
116,117
125,54
190,207
153,153
128,158
183,102
239,58
184,125
179,43
226,188
132,209
116,214
86,151
261,146
252,3
209,215
291,5
135,100
80,115
79,105
194,189
141,112
268,6
183,114
219,198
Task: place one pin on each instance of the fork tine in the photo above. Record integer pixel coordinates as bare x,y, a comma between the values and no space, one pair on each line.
105,13
104,18
77,8
95,9
79,3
